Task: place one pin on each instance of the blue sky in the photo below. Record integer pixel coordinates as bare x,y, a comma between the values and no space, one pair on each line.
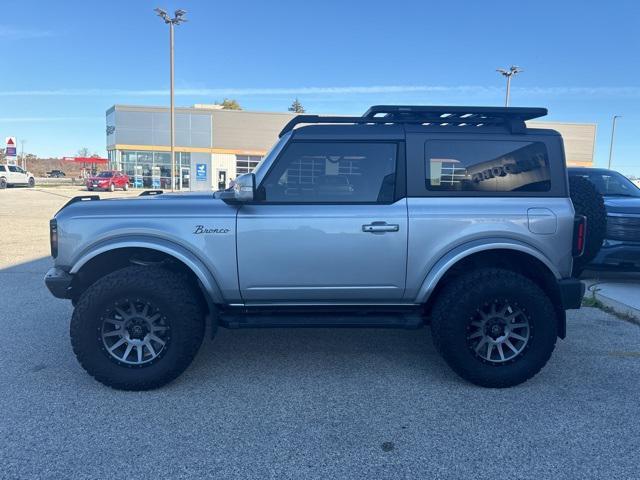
65,63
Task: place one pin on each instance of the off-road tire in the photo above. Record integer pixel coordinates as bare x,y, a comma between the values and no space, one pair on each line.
3,183
458,301
32,182
175,299
588,201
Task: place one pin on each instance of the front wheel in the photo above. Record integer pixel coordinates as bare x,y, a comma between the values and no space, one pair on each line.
495,328
112,187
3,183
32,182
137,328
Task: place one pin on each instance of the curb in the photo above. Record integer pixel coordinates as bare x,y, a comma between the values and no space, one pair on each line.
619,307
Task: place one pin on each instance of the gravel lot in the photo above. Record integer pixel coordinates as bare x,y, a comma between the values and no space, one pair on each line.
301,403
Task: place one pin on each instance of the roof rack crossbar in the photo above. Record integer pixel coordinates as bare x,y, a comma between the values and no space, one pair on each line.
512,118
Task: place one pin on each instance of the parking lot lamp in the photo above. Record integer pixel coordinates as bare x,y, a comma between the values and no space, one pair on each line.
513,70
613,132
176,20
24,163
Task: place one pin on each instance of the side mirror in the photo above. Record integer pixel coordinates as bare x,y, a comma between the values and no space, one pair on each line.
245,187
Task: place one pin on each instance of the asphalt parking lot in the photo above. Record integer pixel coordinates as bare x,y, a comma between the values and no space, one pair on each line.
306,403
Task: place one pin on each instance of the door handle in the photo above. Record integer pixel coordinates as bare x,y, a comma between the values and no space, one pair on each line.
380,227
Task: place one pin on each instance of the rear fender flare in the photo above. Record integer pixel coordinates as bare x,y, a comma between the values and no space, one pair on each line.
442,266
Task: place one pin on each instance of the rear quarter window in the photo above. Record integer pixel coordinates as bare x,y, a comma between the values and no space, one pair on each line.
487,166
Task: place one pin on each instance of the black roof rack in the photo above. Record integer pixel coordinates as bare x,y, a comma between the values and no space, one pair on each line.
512,118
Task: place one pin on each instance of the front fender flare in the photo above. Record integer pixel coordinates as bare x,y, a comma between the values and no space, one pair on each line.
442,266
179,252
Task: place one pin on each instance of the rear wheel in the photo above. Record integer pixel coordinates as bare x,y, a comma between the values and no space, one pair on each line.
137,328
125,187
3,183
494,327
32,182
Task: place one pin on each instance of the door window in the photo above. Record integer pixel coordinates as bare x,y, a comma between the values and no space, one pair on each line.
338,172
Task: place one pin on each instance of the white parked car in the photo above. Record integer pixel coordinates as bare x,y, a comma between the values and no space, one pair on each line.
12,175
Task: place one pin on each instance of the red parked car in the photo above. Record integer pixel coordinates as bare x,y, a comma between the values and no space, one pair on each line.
109,180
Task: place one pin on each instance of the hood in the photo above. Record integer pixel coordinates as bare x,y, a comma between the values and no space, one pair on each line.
98,179
622,205
179,204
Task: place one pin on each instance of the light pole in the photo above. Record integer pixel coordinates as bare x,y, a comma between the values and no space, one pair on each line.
613,132
513,70
176,20
24,164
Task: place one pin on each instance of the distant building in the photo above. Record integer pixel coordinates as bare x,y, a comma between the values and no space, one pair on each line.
579,140
214,146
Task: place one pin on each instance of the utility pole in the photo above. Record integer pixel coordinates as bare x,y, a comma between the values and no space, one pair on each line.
613,132
24,164
176,20
513,70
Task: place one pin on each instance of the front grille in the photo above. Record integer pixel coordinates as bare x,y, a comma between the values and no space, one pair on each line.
626,229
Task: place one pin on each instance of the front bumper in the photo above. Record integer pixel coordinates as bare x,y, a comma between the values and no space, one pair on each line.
571,293
58,282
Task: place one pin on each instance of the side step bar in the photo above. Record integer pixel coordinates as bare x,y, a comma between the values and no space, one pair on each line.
409,320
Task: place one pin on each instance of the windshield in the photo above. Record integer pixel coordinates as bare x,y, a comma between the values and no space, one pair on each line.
613,184
105,174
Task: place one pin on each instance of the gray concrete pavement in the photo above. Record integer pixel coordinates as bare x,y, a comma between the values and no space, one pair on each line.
307,403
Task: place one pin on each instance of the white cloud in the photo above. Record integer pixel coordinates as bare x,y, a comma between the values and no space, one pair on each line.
45,119
591,92
15,33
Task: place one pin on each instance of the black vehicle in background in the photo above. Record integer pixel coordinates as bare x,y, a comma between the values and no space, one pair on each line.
56,174
621,246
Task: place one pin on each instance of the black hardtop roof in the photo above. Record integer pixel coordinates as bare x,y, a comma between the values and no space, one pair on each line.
511,118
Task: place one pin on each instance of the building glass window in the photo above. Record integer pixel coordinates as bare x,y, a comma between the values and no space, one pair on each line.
246,163
149,169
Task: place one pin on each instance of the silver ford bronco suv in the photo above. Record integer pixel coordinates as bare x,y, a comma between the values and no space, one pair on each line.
454,217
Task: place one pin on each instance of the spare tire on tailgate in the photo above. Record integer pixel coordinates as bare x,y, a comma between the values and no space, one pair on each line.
588,201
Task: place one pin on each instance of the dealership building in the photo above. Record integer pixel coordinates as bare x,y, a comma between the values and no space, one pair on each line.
214,146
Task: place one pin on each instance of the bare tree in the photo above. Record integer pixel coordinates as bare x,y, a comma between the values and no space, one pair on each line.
83,152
